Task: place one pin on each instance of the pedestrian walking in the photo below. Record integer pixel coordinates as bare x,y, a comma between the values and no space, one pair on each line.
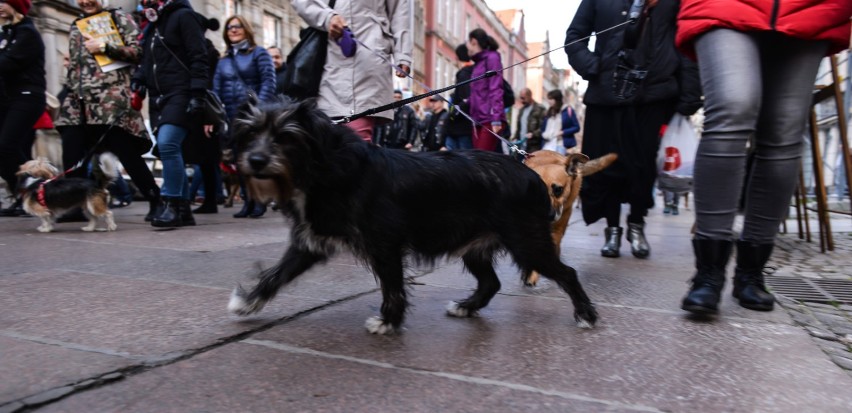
354,84
530,115
436,124
559,125
486,95
459,127
22,99
758,62
625,115
280,68
175,73
245,70
98,103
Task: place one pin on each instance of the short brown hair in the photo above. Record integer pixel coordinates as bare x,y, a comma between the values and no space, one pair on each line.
246,29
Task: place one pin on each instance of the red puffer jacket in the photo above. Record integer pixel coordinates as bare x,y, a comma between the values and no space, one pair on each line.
804,19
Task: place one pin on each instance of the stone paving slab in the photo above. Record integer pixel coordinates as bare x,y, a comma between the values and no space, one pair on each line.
634,357
256,378
29,367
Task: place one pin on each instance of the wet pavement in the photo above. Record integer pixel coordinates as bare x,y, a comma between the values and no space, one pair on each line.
135,321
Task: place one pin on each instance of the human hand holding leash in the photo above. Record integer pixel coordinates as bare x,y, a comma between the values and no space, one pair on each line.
335,26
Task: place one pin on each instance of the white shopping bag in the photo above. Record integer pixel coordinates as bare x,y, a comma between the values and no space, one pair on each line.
676,157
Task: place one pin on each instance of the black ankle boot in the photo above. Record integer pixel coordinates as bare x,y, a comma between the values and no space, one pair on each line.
711,257
155,204
258,211
749,288
248,206
187,220
207,207
170,216
638,244
613,242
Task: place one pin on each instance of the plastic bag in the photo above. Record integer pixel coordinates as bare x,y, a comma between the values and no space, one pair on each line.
676,157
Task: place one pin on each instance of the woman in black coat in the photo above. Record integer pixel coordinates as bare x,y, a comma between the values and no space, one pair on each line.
628,123
175,72
22,98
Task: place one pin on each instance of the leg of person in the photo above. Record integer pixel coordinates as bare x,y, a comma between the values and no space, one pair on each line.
208,176
197,178
484,140
16,123
643,142
363,127
729,62
169,140
675,202
137,169
668,196
778,150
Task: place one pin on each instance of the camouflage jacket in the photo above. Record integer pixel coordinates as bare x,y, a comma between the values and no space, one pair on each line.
105,95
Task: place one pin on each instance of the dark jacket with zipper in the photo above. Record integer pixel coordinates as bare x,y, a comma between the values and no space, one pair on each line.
21,60
174,63
434,136
457,124
671,76
236,74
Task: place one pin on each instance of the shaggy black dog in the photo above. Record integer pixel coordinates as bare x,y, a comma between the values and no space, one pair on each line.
384,204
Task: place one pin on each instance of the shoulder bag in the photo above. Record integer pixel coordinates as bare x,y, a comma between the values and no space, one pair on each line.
305,63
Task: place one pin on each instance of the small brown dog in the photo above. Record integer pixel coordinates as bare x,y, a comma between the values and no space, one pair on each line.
563,176
47,194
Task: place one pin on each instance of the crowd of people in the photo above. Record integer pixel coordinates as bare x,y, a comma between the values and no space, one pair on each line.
673,57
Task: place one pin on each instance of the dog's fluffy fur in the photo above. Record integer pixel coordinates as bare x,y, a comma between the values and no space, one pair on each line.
563,176
385,204
62,194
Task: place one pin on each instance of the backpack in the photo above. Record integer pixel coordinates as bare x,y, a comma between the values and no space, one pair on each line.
508,94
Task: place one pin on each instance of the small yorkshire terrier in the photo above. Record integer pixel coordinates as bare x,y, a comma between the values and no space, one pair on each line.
48,195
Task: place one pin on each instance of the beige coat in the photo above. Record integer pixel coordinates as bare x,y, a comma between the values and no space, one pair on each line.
364,81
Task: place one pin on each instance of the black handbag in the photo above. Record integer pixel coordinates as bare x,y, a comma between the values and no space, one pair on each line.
305,63
213,112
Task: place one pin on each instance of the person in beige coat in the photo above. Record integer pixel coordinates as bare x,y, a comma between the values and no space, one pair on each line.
363,81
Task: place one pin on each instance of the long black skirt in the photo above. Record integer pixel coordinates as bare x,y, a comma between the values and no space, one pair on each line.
633,132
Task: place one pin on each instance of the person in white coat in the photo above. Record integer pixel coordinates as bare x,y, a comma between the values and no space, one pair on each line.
363,81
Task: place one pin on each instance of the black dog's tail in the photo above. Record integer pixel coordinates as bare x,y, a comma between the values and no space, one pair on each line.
105,170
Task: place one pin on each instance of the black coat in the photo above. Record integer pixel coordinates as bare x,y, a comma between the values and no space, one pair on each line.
21,60
178,33
457,124
671,76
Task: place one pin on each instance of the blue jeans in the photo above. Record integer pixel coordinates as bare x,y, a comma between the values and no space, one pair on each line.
169,140
458,142
196,188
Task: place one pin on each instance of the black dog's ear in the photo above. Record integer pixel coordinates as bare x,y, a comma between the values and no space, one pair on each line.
573,163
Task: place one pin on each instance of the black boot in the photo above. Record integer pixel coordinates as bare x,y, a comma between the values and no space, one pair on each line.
258,211
711,257
14,210
248,206
170,216
613,242
155,204
187,220
749,288
638,244
207,207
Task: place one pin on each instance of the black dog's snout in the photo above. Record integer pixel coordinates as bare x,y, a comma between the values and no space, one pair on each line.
258,161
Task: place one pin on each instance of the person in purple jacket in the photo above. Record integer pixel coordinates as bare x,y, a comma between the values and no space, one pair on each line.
486,95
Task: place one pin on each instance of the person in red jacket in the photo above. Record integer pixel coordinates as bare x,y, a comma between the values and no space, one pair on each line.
758,60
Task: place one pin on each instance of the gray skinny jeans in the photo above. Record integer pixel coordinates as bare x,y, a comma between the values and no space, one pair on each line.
754,84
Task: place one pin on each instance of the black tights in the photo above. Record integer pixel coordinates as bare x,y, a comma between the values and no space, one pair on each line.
78,140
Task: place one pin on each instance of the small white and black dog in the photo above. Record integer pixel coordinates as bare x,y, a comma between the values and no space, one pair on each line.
47,195
384,204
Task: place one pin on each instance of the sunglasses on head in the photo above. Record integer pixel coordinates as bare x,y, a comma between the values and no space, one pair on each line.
234,27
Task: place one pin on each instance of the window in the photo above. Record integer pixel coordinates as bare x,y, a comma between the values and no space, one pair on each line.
271,30
233,7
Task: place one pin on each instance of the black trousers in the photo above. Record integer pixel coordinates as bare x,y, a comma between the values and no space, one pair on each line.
17,117
77,141
633,132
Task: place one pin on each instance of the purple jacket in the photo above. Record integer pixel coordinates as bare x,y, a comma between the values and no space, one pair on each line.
486,95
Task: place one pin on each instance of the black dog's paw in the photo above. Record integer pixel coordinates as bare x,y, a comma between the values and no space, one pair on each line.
586,316
455,309
240,306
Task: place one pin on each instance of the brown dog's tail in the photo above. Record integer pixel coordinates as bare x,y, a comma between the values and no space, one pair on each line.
598,164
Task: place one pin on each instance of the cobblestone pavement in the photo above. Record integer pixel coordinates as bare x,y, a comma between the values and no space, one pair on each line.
830,325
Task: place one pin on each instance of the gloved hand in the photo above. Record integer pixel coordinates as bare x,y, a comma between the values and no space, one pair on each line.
195,107
137,86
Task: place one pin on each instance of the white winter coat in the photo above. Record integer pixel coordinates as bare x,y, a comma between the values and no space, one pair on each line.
364,81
